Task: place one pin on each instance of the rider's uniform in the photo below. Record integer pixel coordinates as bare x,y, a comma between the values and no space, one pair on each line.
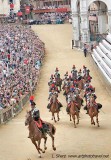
40,124
69,99
66,75
84,71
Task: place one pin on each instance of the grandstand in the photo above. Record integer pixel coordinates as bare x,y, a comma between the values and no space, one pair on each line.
102,57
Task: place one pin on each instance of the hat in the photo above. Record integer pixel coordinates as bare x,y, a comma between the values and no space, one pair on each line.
79,71
84,66
73,66
56,69
33,103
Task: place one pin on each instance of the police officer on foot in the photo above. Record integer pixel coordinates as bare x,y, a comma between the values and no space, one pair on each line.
85,50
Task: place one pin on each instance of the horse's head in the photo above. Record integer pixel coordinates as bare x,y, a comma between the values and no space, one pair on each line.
54,98
92,100
28,118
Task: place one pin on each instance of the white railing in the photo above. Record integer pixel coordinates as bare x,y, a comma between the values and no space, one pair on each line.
106,51
106,44
102,57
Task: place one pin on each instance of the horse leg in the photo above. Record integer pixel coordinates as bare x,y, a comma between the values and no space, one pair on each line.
74,121
97,121
38,149
92,120
60,87
45,140
58,116
70,117
77,119
50,134
54,117
39,142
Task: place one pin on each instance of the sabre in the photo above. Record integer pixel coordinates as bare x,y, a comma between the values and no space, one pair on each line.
102,111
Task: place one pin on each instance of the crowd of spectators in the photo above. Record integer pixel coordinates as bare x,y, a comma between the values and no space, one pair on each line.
51,7
21,54
52,18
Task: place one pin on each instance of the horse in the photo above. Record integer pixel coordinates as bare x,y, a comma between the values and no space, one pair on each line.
81,84
79,101
74,75
93,112
74,112
59,82
87,75
37,135
54,107
67,90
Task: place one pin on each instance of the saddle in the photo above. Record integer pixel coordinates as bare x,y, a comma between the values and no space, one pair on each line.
39,123
42,126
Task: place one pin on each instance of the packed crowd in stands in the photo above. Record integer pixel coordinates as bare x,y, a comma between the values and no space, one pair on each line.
52,7
51,18
21,54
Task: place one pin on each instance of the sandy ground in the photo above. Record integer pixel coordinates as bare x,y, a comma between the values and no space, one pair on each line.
85,139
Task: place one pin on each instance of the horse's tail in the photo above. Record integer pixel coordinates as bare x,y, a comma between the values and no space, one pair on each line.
53,130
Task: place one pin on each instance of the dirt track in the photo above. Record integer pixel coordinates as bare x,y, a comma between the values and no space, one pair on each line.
85,139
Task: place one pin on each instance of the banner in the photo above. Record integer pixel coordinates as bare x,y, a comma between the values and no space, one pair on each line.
19,14
61,10
27,9
93,18
11,6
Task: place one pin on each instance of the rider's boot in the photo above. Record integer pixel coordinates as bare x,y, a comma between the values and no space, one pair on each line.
67,110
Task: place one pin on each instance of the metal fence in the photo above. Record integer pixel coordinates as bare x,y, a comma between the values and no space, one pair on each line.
12,111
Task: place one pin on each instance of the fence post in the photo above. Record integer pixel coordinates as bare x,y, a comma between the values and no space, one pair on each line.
1,117
12,112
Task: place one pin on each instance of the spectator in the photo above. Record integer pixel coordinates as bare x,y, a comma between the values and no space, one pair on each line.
18,56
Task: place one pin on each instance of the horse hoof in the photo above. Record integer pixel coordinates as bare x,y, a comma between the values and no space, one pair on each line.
40,156
54,148
45,148
43,151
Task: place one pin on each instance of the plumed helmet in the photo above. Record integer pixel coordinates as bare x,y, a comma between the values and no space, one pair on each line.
33,103
84,66
56,68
